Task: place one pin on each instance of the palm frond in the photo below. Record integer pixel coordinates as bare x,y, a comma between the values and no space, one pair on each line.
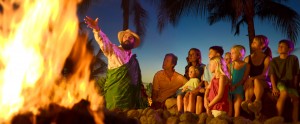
83,6
283,18
140,19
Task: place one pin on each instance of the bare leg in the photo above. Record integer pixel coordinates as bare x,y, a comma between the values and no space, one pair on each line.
199,105
179,103
295,101
185,102
191,104
280,102
237,105
230,107
258,89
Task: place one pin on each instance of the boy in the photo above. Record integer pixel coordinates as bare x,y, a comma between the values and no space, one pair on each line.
283,73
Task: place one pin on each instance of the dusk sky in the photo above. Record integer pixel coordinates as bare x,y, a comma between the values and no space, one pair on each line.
190,32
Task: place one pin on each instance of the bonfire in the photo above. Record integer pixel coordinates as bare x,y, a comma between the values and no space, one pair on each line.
37,36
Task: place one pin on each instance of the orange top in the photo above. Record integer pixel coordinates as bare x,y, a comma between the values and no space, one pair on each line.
165,86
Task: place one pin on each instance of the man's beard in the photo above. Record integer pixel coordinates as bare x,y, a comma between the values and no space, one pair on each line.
126,45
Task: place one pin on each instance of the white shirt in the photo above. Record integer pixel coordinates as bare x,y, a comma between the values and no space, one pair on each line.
116,55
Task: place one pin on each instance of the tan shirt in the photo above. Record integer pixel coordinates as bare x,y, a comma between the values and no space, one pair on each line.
116,55
165,87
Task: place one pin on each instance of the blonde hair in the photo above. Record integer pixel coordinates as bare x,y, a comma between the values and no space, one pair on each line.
221,67
241,49
197,72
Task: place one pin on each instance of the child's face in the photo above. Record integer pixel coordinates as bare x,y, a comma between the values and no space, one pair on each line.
283,48
256,45
212,53
192,72
235,55
212,66
227,58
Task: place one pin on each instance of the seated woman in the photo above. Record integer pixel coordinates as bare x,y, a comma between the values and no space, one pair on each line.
194,59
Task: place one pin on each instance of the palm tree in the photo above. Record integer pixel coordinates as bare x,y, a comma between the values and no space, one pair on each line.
134,7
129,8
238,12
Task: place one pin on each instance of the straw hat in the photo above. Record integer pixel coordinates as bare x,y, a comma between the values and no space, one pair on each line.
136,37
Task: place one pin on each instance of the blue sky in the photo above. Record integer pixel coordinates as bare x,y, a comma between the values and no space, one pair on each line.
190,32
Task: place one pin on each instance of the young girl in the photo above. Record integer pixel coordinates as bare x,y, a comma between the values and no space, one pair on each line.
239,71
216,94
259,66
189,86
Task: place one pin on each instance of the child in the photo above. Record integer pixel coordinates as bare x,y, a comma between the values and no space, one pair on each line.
227,58
189,86
283,72
239,71
216,94
259,66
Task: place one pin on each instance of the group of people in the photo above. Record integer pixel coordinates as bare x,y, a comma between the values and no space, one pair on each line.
227,85
223,86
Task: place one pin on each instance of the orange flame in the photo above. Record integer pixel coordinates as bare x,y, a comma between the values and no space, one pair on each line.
36,38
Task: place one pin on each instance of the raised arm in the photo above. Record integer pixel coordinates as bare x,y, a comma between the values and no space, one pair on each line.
101,38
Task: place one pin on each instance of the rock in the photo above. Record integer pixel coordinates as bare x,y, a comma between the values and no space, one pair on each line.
171,106
241,120
208,119
150,112
145,111
275,120
166,114
172,120
202,118
218,121
143,119
154,119
133,113
189,117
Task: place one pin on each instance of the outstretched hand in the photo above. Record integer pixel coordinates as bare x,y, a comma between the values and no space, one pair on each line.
93,24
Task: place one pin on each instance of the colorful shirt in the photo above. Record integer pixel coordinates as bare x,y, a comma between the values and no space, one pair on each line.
223,104
116,55
165,86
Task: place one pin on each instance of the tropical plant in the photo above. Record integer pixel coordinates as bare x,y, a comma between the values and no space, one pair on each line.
237,12
140,16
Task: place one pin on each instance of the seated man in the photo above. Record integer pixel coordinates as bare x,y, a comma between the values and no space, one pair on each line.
166,82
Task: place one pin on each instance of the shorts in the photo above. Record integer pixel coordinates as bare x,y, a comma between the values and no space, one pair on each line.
217,113
291,91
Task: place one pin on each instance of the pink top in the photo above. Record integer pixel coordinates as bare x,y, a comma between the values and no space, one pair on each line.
223,104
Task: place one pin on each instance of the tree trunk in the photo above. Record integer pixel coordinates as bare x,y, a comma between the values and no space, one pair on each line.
249,13
125,7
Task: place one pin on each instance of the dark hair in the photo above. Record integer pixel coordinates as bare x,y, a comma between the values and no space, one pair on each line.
198,52
289,43
174,58
218,49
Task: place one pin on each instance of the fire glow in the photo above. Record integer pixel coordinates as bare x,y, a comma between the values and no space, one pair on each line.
36,38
